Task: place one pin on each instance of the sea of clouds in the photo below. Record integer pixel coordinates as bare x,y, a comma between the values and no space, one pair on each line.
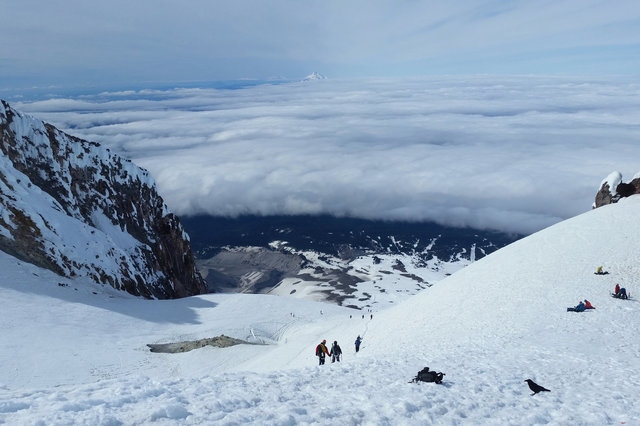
515,154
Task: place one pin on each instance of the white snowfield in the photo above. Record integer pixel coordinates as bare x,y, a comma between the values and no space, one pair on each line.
70,356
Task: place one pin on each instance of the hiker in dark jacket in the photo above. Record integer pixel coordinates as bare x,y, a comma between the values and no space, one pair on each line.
358,341
321,351
335,352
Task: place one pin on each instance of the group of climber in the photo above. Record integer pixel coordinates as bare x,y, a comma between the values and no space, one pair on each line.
619,293
335,353
582,306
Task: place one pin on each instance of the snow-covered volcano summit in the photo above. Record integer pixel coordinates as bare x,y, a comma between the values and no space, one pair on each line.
489,327
314,76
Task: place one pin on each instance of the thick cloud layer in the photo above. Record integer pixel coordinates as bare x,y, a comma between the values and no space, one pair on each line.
513,154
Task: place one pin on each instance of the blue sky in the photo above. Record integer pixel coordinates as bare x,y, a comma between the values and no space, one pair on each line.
135,43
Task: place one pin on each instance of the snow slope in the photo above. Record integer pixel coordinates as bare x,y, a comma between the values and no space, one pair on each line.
70,356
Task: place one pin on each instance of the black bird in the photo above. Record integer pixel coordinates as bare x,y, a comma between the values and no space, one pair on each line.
535,387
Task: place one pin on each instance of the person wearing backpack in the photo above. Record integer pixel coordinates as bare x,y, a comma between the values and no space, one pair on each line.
321,351
335,352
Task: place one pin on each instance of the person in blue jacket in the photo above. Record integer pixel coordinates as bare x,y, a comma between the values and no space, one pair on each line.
358,341
623,293
579,308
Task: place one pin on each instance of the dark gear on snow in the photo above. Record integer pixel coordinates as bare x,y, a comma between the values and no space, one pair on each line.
425,375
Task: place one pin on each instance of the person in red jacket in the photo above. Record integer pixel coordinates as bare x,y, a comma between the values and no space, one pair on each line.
621,292
588,305
321,351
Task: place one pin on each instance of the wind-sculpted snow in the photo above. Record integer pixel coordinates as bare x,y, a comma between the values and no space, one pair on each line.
76,208
488,327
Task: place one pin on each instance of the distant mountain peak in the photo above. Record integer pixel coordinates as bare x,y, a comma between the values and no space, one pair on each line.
315,76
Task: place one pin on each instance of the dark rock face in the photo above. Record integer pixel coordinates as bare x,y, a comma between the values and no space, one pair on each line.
613,189
628,189
74,207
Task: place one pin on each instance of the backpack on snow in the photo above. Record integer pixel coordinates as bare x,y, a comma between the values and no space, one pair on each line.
425,375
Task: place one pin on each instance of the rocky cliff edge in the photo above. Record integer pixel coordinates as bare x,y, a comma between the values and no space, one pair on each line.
76,208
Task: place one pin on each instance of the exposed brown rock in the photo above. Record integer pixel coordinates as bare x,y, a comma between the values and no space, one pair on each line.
607,195
221,341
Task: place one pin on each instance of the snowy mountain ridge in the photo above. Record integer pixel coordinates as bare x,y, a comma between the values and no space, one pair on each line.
352,262
369,281
78,209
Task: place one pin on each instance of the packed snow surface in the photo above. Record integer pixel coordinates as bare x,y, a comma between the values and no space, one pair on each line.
75,353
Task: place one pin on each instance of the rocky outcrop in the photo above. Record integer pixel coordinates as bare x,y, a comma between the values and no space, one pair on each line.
612,189
78,209
221,341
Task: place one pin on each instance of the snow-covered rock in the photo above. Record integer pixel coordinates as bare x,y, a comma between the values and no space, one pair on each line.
78,209
612,189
